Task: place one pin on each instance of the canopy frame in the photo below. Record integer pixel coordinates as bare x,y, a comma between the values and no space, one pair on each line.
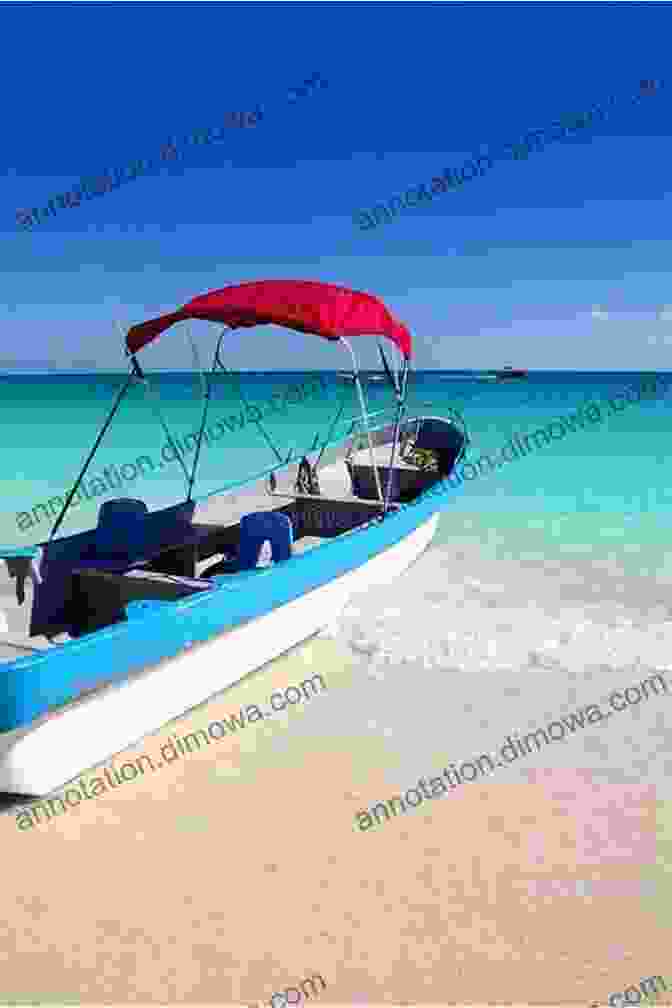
134,373
365,419
139,336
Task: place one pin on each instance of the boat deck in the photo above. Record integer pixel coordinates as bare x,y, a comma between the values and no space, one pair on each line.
220,510
227,510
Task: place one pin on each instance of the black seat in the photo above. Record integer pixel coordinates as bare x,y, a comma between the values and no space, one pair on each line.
127,534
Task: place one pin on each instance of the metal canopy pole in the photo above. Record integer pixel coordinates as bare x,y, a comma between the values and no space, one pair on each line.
205,384
362,403
331,430
401,407
243,400
153,401
135,372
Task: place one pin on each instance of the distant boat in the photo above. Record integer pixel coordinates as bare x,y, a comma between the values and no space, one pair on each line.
348,376
486,376
509,374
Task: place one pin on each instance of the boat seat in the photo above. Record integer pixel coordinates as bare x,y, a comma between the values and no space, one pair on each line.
127,534
256,528
261,526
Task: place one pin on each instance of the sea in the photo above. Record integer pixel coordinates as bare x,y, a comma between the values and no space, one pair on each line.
601,490
547,587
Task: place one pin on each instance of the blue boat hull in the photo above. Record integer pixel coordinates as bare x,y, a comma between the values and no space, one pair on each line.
154,631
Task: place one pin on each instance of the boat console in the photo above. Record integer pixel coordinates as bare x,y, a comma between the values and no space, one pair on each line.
428,454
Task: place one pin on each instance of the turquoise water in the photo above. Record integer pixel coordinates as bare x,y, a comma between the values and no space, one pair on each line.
547,586
600,489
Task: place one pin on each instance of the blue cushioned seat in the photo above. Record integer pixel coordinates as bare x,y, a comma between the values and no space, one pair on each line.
122,530
126,534
259,527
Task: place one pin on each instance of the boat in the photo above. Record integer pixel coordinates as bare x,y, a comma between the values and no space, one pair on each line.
151,612
509,373
474,376
349,377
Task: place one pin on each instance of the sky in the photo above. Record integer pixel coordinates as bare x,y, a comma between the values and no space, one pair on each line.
559,261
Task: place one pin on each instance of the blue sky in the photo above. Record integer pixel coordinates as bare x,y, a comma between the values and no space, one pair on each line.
559,261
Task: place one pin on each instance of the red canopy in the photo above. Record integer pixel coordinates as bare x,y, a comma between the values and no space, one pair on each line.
304,305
